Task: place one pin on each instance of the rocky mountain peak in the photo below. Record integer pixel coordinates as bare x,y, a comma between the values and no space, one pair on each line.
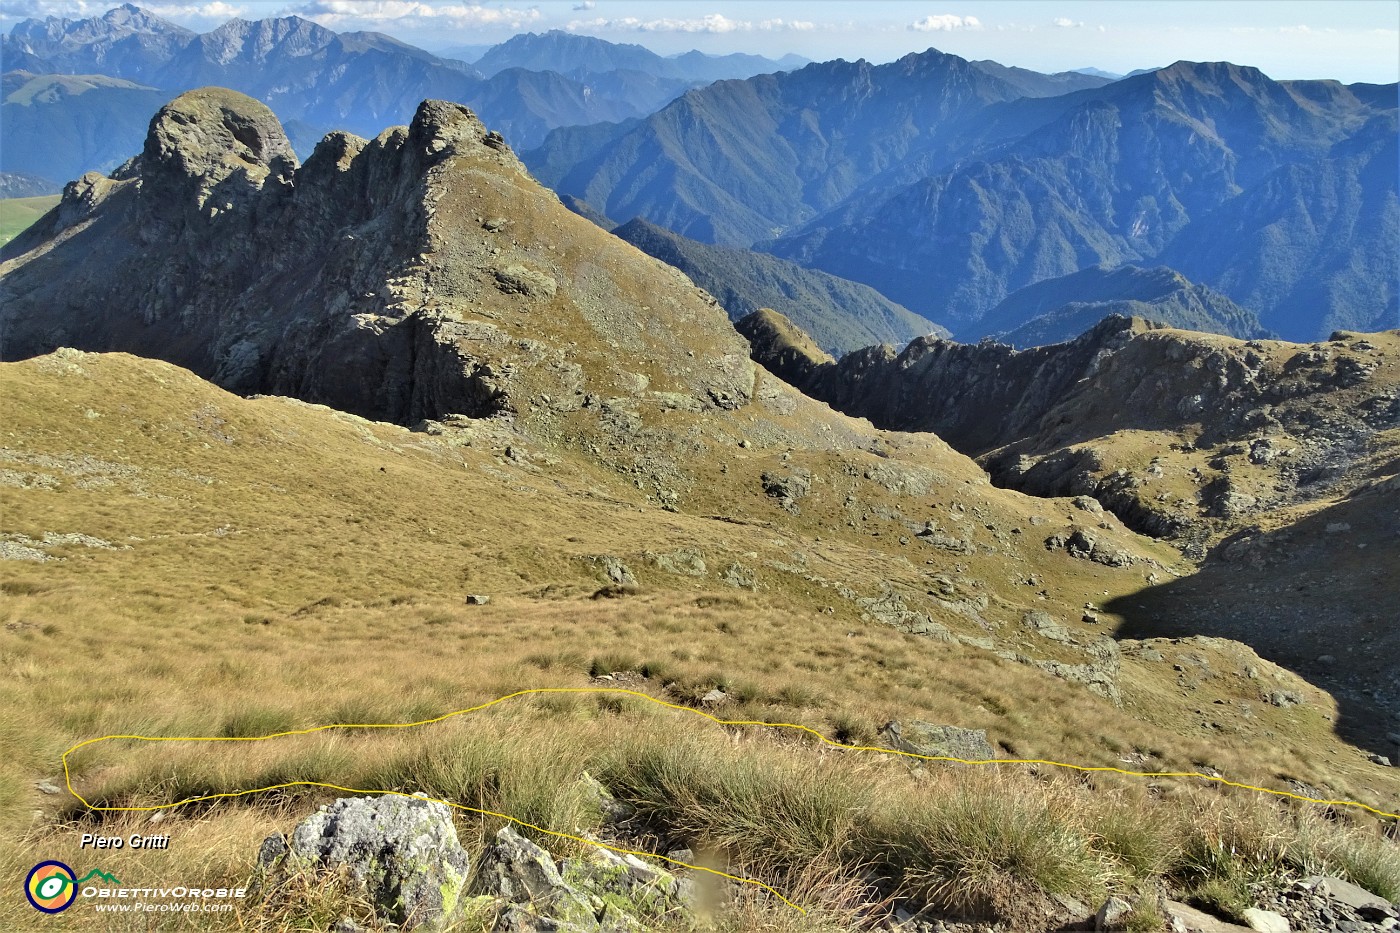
54,34
255,40
213,139
414,275
441,126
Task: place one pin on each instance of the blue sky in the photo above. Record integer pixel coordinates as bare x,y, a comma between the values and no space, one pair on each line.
1352,40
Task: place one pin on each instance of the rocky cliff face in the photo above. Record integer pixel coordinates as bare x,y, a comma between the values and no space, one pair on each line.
386,277
1187,436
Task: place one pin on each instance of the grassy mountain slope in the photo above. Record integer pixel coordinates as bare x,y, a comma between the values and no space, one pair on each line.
256,576
19,214
580,438
840,315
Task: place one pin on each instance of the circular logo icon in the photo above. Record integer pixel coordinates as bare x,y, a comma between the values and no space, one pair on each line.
51,887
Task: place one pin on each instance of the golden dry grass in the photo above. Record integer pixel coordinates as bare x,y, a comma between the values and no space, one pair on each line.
269,576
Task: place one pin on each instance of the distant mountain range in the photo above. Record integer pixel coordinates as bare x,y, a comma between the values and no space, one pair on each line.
1060,309
578,56
948,185
92,84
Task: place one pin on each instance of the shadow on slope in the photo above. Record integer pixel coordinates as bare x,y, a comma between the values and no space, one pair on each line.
1316,596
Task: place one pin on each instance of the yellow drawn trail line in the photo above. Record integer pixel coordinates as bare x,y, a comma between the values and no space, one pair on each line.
67,778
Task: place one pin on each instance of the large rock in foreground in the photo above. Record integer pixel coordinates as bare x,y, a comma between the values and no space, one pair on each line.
404,851
934,741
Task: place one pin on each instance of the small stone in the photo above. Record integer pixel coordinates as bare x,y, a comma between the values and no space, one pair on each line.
1344,892
1088,504
1112,914
48,787
476,599
714,697
1265,921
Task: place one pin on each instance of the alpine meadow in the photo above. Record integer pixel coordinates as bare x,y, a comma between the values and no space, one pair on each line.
700,467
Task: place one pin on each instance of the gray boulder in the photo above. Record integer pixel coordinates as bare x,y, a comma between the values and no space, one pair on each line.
630,888
924,738
403,850
524,876
1113,915
1345,892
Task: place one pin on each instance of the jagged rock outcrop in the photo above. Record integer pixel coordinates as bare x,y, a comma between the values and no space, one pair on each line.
597,891
1183,435
369,278
977,397
785,350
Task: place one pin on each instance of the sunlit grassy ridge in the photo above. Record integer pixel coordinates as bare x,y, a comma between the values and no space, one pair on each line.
17,214
264,573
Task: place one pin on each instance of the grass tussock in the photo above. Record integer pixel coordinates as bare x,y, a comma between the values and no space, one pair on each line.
834,830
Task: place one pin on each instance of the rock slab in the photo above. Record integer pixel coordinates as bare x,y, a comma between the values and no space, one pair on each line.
403,850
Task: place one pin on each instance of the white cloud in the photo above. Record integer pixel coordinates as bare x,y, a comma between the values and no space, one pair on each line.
797,25
714,23
411,13
945,22
85,9
39,9
585,5
1066,23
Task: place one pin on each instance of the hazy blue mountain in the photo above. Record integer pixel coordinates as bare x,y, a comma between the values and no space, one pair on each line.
741,161
464,53
1100,73
315,78
701,66
23,185
1129,172
1060,309
579,56
59,126
1034,84
1313,244
126,42
839,315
